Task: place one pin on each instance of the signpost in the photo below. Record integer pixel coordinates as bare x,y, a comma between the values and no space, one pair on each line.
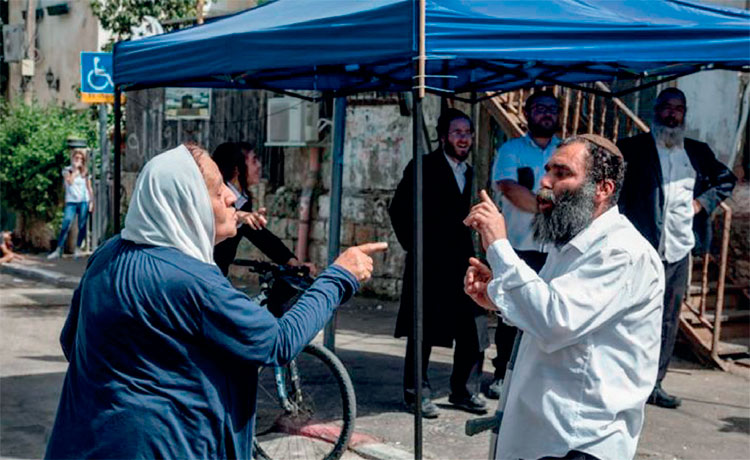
97,87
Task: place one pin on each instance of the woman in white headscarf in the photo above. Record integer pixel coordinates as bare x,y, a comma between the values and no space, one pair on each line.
163,351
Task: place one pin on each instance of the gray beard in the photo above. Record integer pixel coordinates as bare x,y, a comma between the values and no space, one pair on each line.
572,212
669,137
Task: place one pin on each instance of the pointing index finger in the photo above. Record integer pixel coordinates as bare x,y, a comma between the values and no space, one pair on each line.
371,248
485,197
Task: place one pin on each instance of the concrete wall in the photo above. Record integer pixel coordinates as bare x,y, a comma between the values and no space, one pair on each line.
60,40
713,100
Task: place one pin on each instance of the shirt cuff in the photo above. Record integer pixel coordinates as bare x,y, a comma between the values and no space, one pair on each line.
346,274
501,257
509,272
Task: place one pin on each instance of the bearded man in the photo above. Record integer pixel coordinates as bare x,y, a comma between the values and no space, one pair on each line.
590,319
672,185
448,314
516,174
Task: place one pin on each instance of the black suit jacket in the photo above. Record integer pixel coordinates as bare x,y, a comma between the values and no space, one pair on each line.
448,311
268,243
642,196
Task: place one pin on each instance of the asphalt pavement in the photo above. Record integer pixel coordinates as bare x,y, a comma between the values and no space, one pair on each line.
713,422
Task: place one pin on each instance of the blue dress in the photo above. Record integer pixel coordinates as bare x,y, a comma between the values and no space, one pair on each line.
164,355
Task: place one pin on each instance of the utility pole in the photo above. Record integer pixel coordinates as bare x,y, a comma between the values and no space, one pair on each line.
28,86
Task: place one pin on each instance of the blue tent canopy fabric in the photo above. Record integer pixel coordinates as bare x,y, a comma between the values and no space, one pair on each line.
471,45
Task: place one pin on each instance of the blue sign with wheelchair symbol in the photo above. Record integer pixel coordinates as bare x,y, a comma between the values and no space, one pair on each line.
96,73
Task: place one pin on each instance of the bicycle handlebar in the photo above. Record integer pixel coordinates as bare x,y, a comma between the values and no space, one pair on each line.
277,271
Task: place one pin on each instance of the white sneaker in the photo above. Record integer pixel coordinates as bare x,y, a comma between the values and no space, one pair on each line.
54,255
77,253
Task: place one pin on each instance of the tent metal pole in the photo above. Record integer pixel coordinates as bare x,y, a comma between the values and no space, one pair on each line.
118,143
418,267
418,272
334,224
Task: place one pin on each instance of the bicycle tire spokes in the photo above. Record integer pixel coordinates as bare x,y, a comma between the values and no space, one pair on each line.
321,421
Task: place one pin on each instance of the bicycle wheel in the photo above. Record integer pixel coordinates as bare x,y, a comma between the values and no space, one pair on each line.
319,419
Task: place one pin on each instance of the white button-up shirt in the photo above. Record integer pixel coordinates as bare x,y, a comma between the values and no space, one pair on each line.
241,197
590,349
459,171
518,153
678,183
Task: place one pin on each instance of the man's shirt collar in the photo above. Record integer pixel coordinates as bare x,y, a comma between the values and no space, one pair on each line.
595,230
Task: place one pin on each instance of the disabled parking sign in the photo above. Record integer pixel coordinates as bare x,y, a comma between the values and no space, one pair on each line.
97,85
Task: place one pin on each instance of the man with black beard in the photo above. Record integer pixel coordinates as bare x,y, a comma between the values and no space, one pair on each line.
672,185
516,172
448,313
590,319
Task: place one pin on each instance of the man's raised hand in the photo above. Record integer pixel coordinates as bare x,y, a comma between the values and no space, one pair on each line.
357,261
478,276
486,219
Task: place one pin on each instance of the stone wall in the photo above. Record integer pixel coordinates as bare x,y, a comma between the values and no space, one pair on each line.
738,264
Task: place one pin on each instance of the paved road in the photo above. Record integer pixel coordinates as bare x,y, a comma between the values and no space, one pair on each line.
31,363
713,423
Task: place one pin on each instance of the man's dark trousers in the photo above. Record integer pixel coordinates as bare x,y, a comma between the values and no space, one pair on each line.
465,376
675,277
505,335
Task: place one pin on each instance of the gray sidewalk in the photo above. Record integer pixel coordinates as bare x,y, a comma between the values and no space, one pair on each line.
713,422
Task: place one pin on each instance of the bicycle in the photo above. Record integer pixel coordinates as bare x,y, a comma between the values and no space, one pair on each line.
307,408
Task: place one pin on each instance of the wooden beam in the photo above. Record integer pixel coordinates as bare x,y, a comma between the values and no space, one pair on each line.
507,121
576,113
629,113
565,110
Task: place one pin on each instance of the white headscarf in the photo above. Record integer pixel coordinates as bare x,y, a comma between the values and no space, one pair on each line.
171,207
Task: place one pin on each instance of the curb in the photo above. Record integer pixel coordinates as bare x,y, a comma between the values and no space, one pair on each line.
40,274
373,448
381,451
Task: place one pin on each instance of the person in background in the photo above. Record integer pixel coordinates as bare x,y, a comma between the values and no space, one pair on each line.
590,318
79,201
516,174
241,169
6,248
163,351
672,185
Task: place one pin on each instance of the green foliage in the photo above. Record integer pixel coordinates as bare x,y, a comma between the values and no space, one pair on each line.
33,151
118,16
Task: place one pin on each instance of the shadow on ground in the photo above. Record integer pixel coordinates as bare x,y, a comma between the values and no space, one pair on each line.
28,406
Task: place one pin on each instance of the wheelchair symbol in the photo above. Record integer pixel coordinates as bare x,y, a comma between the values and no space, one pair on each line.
100,75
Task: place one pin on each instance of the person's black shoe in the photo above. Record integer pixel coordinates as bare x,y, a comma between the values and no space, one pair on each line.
429,409
661,398
474,403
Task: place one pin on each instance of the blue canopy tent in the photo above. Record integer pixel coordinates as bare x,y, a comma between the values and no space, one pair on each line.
470,45
441,46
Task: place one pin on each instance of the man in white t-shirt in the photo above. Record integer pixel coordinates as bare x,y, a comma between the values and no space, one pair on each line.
516,173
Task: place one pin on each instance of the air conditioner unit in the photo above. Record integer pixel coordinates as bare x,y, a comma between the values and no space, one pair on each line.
291,122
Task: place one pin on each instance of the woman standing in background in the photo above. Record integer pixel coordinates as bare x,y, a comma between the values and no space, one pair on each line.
78,200
241,168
